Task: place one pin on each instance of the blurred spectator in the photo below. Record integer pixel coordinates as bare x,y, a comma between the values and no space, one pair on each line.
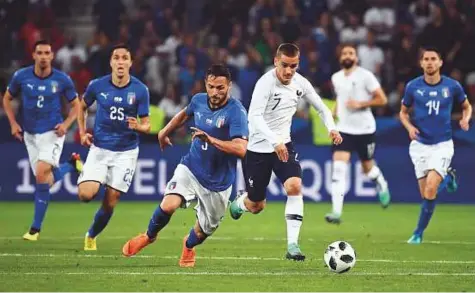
189,74
67,52
381,19
326,36
354,33
405,60
79,74
171,103
289,23
395,97
171,43
109,13
436,34
422,12
371,56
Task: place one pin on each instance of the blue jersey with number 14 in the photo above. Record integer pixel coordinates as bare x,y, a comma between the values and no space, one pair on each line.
214,169
114,105
432,107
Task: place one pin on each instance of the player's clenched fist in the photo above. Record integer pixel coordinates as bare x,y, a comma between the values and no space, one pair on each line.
16,131
282,152
86,139
413,132
336,137
464,124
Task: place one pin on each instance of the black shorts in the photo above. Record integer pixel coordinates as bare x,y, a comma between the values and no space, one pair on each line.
363,144
258,167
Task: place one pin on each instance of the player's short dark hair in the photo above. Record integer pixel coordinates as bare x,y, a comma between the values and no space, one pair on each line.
218,70
41,42
288,49
121,46
430,49
347,45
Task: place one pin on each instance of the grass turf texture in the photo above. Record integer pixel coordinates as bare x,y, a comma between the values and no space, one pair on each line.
244,255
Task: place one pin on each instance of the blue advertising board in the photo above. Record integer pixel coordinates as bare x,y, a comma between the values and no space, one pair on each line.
154,168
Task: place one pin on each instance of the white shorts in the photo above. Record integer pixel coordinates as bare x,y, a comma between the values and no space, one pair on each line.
46,147
435,157
114,169
211,205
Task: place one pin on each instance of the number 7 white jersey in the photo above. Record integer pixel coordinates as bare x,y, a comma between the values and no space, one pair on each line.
272,107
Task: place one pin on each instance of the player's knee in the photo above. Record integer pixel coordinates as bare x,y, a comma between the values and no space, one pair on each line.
256,207
430,191
85,194
171,203
294,188
43,173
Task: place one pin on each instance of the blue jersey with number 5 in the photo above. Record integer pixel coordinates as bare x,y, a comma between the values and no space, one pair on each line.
432,107
215,169
41,97
114,105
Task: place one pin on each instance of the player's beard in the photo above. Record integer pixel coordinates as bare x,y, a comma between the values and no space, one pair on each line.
217,100
347,63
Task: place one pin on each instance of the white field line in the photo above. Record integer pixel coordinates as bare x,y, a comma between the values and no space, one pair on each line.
224,238
244,258
125,273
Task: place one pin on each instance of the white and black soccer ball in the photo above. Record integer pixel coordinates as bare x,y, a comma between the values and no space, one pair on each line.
340,257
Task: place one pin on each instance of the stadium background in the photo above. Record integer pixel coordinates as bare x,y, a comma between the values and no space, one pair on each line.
174,41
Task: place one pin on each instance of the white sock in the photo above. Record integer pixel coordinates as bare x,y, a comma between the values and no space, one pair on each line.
240,203
376,175
338,186
294,217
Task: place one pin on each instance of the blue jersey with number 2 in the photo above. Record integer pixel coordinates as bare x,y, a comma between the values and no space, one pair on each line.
41,97
432,107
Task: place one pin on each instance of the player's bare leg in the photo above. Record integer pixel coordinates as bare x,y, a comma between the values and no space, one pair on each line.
338,185
294,217
103,214
159,220
375,174
242,204
428,188
46,176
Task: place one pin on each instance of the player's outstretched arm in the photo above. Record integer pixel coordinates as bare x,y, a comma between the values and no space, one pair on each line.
177,121
406,121
237,146
15,127
466,115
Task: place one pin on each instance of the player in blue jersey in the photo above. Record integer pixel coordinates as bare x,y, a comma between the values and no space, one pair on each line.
114,146
431,98
41,88
208,171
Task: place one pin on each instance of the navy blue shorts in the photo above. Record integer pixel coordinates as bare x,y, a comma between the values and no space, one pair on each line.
362,144
258,169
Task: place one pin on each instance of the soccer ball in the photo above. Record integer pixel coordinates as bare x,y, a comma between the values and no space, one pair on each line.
340,257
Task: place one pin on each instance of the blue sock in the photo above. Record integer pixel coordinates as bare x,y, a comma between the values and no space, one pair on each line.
42,197
159,220
63,169
427,209
193,239
444,183
100,222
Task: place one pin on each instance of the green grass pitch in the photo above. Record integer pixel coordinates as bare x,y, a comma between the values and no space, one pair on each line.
244,255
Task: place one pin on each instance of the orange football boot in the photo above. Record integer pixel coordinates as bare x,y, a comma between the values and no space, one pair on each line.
136,244
187,259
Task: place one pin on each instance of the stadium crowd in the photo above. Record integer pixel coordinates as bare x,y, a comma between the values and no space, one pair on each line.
174,41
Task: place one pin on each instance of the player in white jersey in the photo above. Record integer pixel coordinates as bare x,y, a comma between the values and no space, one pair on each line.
357,90
274,102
